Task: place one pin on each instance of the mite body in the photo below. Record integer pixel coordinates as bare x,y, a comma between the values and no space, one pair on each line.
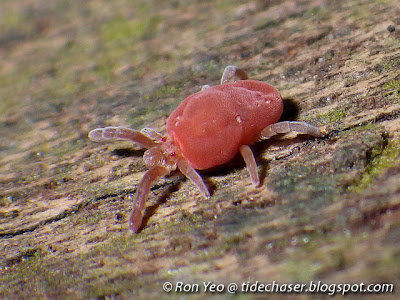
207,129
210,126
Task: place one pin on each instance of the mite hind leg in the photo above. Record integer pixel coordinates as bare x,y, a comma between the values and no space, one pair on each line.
230,74
233,73
251,165
288,126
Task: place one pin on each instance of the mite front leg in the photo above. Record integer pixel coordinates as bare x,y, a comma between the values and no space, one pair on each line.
288,126
191,173
233,73
142,191
251,165
154,135
120,133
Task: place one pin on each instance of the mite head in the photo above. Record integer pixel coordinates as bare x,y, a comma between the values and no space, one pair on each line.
165,154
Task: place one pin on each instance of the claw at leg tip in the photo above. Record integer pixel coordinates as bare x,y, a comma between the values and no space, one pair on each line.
322,131
206,194
135,222
134,227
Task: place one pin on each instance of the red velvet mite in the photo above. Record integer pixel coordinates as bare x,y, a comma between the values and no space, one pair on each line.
207,129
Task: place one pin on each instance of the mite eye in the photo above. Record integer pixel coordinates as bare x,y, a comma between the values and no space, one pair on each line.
164,139
172,154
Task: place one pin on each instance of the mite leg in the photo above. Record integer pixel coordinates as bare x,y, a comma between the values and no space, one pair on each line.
233,73
154,135
142,191
204,87
191,173
121,133
288,126
248,157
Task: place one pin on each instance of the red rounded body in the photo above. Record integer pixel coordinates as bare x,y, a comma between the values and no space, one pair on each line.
210,126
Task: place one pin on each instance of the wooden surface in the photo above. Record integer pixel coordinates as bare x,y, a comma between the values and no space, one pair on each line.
328,208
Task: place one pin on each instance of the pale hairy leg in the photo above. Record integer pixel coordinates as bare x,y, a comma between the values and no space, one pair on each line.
230,74
111,133
151,133
233,73
251,165
204,87
288,126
